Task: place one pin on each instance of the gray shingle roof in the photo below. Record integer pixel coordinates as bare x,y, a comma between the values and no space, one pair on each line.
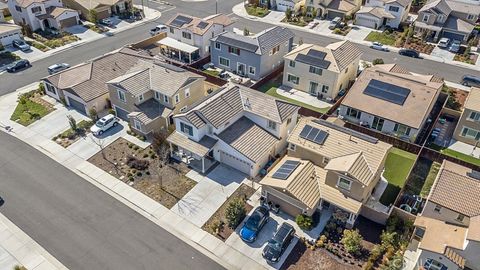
345,54
151,110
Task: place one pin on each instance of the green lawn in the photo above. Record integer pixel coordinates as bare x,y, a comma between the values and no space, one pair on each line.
455,154
382,37
212,72
397,167
432,174
271,89
28,112
258,11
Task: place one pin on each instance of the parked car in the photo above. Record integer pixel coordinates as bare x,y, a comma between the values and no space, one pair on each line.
409,53
254,224
312,24
158,29
470,80
104,124
106,22
277,245
443,43
17,65
334,23
455,47
379,46
57,68
21,44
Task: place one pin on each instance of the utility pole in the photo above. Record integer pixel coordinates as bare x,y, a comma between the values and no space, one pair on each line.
216,6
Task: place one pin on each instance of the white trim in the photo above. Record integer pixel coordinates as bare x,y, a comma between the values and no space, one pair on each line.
254,70
124,100
244,65
220,64
344,178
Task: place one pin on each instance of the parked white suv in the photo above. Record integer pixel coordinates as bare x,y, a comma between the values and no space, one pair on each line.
104,124
158,29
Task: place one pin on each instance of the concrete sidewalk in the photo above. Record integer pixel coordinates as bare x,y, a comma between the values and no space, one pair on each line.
240,11
17,248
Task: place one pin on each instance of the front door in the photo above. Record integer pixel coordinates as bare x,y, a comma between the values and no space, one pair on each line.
377,123
313,88
241,69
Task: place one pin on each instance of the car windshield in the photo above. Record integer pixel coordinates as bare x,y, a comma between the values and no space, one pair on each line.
100,124
274,244
253,222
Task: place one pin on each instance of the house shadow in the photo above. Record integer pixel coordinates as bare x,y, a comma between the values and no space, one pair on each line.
265,234
225,175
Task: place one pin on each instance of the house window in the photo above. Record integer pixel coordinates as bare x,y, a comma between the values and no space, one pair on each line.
471,133
165,99
293,79
50,88
393,9
224,61
233,50
474,116
291,63
187,129
315,70
460,218
186,35
346,70
137,125
272,125
292,147
218,46
470,17
431,264
437,208
18,8
251,70
353,113
140,98
401,129
187,92
36,9
289,120
157,95
325,89
419,232
172,30
425,17
275,50
121,95
325,160
177,98
344,183
441,18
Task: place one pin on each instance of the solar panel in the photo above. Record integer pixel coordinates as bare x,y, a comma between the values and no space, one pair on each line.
386,91
306,129
348,131
180,21
321,137
317,54
314,61
202,25
286,169
313,134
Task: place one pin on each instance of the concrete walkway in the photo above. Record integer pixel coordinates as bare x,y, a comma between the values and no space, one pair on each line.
17,248
302,97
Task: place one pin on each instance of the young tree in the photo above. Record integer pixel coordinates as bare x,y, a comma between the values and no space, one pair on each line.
288,14
314,12
378,61
352,240
246,32
72,122
93,114
235,213
92,16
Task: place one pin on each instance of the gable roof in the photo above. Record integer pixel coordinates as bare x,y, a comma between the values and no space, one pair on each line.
354,165
342,5
440,235
473,99
402,3
260,43
378,12
26,3
455,190
197,25
92,4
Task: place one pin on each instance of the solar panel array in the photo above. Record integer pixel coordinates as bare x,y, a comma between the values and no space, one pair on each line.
286,169
202,25
313,134
317,54
386,91
180,21
312,60
348,131
237,43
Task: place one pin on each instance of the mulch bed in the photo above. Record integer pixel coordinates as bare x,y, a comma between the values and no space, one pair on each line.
166,184
242,192
419,45
68,137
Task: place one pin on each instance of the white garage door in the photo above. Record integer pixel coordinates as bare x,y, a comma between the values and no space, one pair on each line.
367,22
235,162
7,39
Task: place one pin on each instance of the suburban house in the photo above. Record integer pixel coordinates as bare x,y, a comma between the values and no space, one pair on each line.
188,37
450,19
9,32
293,5
327,166
468,126
391,100
42,14
252,56
333,8
3,10
101,8
83,87
447,233
149,94
380,13
322,71
236,126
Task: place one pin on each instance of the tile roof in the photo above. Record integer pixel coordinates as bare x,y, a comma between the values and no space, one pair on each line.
402,3
206,22
7,27
342,5
440,235
150,110
455,190
54,12
26,3
354,165
458,24
423,93
248,138
91,4
378,12
473,99
200,148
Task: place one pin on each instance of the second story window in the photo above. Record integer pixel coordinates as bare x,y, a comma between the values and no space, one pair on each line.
187,92
186,35
291,63
353,113
425,17
474,116
121,96
177,98
233,50
292,147
224,61
251,70
275,50
315,70
18,8
140,98
293,79
172,30
272,125
157,95
437,208
470,17
401,129
344,183
218,46
460,218
393,9
165,99
187,129
36,10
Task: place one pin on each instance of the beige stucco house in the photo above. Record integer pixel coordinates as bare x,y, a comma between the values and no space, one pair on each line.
468,127
103,8
327,165
322,71
447,233
333,8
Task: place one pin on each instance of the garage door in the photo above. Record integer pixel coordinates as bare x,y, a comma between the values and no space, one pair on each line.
365,21
77,105
68,22
453,36
235,162
122,114
332,14
103,14
7,39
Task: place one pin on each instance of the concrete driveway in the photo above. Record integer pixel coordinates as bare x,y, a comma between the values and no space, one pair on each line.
275,16
358,32
31,55
442,53
82,32
322,27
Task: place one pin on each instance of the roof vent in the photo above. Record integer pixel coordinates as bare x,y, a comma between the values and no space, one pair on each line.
247,104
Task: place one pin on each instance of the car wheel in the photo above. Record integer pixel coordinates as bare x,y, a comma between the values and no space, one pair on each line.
115,124
13,69
100,132
465,83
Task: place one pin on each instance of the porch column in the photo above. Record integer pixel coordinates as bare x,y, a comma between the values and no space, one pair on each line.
203,164
189,58
171,148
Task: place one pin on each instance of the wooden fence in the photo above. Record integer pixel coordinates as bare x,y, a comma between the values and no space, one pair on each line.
268,78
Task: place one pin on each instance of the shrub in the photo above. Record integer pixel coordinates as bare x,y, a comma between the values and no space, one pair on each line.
23,99
129,175
41,89
152,156
139,174
304,222
378,61
145,155
131,179
130,145
72,122
352,240
93,114
136,147
235,212
321,241
388,239
112,111
216,226
139,164
147,173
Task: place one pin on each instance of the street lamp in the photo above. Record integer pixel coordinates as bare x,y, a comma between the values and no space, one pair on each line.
216,6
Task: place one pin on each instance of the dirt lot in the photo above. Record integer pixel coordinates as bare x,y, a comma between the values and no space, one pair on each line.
166,184
302,258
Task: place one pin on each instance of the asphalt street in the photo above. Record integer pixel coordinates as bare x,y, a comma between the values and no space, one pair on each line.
79,224
11,82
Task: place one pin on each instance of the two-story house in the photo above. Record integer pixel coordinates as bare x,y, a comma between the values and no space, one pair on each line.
149,94
468,126
236,126
445,18
42,14
252,56
391,100
380,13
447,233
102,8
322,71
332,8
188,37
327,166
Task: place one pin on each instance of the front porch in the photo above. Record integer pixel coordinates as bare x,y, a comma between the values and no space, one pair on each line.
178,51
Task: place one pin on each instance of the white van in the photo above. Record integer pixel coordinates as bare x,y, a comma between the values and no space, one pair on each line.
158,29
